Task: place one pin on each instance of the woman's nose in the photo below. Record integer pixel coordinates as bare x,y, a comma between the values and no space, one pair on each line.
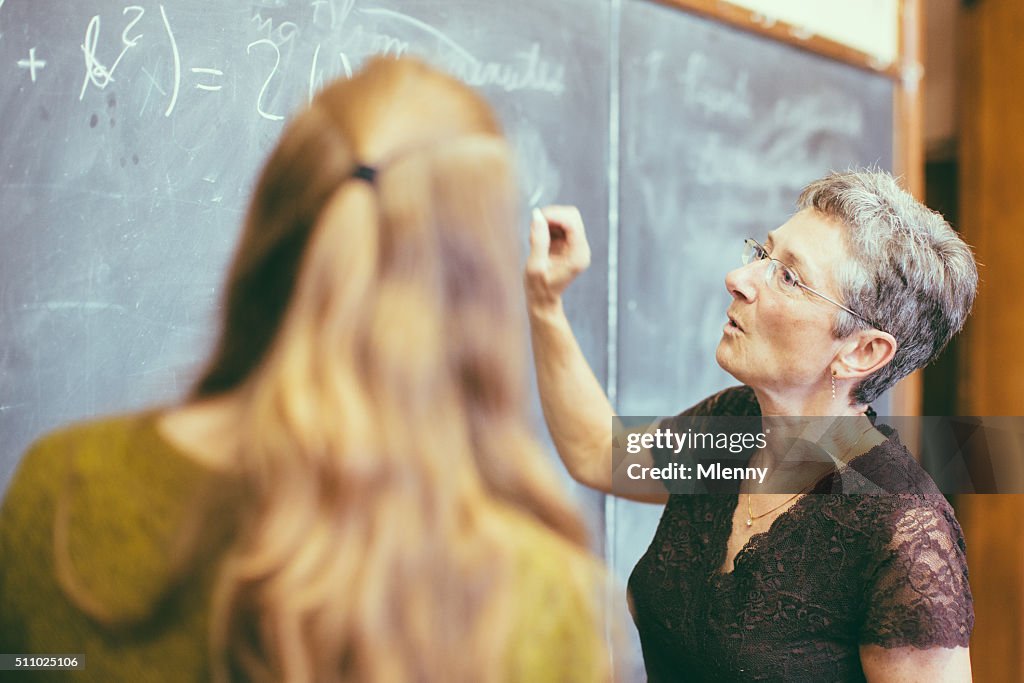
742,282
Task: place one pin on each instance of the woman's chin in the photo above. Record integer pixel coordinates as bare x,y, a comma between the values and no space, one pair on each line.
729,360
725,356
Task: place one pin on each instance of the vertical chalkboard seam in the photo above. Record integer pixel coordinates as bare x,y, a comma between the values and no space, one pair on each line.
612,346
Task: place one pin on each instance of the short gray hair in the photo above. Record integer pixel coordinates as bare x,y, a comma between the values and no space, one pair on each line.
910,273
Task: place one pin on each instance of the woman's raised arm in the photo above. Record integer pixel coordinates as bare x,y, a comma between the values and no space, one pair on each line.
576,409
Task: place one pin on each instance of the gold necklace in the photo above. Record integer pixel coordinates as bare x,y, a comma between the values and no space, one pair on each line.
750,512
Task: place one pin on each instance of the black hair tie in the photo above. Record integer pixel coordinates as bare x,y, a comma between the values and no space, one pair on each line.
367,173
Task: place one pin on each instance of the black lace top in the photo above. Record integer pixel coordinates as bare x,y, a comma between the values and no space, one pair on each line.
835,571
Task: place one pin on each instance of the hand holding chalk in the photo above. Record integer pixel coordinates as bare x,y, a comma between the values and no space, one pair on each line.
558,253
554,229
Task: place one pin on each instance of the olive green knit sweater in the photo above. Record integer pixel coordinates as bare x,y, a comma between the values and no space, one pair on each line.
100,511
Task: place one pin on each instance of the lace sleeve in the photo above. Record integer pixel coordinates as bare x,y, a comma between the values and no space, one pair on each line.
917,593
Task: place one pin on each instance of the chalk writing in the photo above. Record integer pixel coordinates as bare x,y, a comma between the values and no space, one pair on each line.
152,83
814,113
212,72
540,179
355,33
713,95
177,62
362,40
278,35
653,62
336,15
785,153
315,81
95,72
529,72
346,64
422,26
277,62
32,63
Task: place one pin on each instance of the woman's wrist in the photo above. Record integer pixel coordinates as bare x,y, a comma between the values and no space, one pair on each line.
545,310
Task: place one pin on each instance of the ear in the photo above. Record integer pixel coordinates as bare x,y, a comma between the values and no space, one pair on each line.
864,353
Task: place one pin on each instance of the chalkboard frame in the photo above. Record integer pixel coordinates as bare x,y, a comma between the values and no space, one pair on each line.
750,20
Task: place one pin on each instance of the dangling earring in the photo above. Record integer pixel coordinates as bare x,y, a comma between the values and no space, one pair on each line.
833,378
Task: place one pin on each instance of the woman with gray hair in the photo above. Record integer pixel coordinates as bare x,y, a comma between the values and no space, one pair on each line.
800,581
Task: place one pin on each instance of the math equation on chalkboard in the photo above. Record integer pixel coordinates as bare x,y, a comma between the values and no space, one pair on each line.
261,59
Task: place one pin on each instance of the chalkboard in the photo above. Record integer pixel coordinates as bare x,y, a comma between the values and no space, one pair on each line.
133,134
720,129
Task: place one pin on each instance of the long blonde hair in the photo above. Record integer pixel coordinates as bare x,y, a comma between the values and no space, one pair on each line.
374,333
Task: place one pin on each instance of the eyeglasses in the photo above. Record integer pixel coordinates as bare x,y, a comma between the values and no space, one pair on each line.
784,279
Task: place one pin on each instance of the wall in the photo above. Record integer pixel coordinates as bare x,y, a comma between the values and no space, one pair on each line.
991,152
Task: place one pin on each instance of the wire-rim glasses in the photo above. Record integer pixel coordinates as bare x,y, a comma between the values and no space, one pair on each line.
785,278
